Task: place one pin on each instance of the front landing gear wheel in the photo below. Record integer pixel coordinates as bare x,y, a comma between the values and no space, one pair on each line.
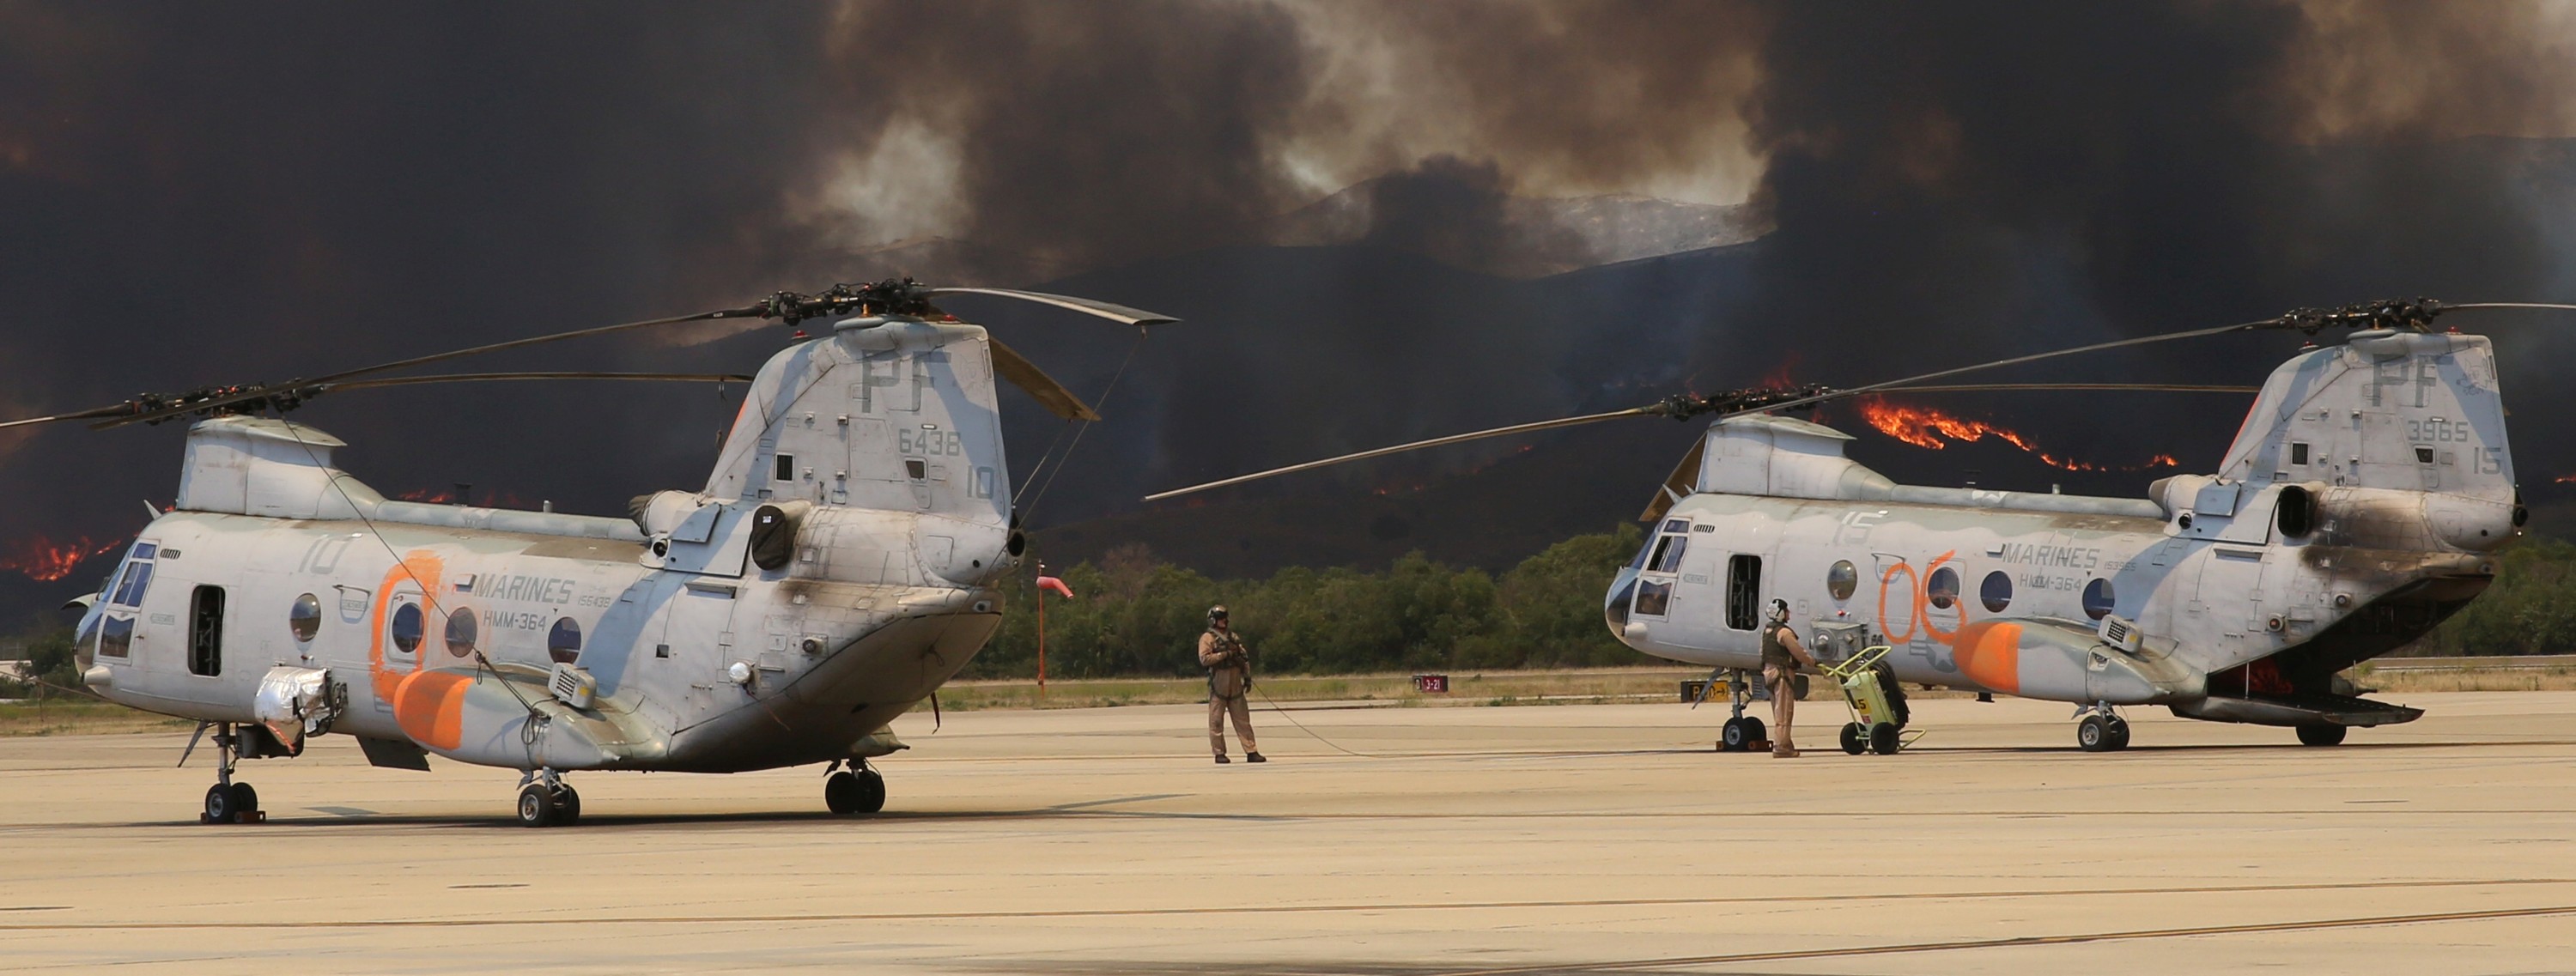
2321,735
220,805
1734,738
2119,733
2094,734
536,806
1855,738
567,805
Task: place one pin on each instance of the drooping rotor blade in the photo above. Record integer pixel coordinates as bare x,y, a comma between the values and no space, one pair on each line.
290,388
1742,402
1590,418
2086,387
1027,376
576,375
1087,306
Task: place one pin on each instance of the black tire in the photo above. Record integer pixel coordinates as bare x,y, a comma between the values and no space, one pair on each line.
245,802
222,804
1798,686
2119,733
1755,731
2093,734
1855,739
536,806
2321,735
1732,737
1882,739
841,793
872,791
567,805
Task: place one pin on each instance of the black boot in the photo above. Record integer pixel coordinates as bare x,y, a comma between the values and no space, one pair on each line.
1253,757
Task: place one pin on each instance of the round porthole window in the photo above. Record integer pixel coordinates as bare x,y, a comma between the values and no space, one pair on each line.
563,643
407,628
1943,588
2097,599
305,617
1996,591
1842,580
461,631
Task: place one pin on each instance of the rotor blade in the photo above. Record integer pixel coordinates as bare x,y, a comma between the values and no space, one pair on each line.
2111,387
273,389
1999,363
1027,376
1415,446
90,414
492,377
1088,306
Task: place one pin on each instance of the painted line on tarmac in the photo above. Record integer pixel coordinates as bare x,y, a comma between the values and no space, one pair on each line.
2017,942
1346,907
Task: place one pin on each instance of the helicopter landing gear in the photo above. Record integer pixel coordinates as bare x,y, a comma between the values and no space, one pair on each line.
858,789
1742,733
545,800
228,802
2101,731
2321,735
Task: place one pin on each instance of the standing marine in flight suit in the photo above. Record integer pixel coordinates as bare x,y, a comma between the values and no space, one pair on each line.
1229,665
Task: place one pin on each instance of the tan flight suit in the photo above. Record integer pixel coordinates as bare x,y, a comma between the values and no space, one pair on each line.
1229,666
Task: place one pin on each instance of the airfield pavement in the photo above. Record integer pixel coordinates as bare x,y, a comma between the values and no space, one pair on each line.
1575,839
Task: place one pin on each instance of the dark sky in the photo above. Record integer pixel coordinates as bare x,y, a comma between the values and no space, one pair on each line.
194,194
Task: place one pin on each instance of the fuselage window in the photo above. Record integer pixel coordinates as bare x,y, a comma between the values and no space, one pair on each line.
2097,599
786,470
1653,598
1842,580
461,631
563,643
1743,591
1668,553
115,636
1996,591
304,619
407,628
1943,588
206,632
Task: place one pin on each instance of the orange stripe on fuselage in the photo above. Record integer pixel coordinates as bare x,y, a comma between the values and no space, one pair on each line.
430,707
421,567
1989,653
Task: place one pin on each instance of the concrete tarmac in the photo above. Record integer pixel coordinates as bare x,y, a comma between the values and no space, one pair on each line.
1580,839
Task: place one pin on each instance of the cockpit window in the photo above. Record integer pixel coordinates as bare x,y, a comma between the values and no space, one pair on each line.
1668,554
137,578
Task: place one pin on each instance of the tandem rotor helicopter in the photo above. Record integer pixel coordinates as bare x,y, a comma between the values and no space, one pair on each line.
838,567
2361,504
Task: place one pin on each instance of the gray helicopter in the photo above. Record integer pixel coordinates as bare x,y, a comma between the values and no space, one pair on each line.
2361,504
838,566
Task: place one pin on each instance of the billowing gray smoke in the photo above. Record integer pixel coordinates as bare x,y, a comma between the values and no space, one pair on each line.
219,195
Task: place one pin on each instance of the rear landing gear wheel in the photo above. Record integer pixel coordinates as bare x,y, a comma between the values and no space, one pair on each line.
1855,739
2321,735
2094,734
1755,731
567,805
841,793
872,791
2119,733
1882,739
1734,738
536,806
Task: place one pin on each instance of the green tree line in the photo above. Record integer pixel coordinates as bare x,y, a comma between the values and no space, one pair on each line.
2530,609
1136,615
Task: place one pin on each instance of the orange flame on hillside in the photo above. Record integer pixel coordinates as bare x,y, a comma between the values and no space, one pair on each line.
45,560
1935,429
2564,478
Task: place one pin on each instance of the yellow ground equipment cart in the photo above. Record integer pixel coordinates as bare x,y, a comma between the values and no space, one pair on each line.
1877,703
